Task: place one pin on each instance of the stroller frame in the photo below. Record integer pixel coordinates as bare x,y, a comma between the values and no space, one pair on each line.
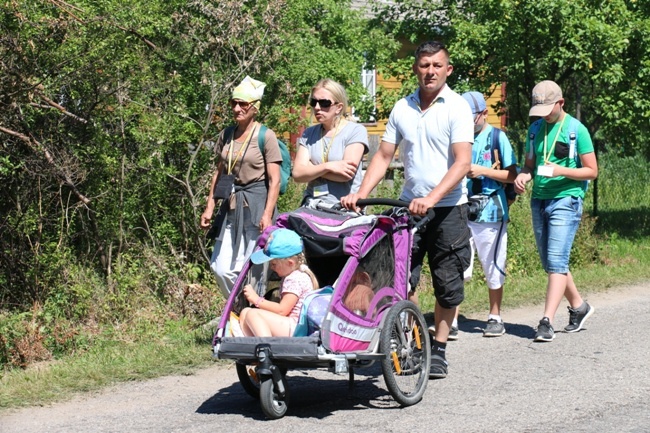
388,328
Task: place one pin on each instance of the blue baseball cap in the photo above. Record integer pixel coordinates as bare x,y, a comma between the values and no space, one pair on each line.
476,101
282,243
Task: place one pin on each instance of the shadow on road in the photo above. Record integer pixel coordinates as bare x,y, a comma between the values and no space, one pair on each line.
309,396
473,326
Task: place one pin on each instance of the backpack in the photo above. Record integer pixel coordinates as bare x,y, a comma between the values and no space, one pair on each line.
574,125
285,167
495,155
313,311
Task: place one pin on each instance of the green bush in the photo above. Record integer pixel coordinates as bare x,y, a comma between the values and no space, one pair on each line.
623,204
146,290
151,291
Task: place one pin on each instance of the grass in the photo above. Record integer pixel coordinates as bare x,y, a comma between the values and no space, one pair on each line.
106,364
613,249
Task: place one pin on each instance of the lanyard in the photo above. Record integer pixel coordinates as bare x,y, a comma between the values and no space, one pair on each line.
328,146
547,156
231,163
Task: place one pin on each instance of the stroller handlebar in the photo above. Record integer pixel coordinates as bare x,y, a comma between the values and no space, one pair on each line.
397,203
362,202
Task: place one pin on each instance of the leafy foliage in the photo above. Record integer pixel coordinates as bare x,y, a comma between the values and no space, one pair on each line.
108,115
598,52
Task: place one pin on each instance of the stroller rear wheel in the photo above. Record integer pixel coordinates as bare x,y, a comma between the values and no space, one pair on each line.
405,342
274,404
248,379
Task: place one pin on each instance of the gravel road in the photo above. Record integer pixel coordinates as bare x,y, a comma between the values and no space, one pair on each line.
596,380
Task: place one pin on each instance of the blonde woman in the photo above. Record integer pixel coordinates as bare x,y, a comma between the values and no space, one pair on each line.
284,251
329,154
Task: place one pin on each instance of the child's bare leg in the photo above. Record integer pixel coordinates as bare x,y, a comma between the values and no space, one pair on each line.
557,284
243,322
264,323
571,292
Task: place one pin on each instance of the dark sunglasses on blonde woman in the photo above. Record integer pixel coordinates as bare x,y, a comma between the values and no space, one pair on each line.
324,103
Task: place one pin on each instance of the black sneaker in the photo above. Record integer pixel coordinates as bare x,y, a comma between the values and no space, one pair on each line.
438,367
494,328
577,317
544,330
453,332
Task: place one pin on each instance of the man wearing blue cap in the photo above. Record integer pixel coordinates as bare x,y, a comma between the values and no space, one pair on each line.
493,165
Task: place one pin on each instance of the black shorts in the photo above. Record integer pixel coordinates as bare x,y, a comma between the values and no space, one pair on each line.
446,241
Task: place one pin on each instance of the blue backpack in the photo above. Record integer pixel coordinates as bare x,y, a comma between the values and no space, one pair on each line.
574,125
285,167
313,311
495,154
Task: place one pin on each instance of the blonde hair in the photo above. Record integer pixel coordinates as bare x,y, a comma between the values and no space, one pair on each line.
336,89
301,265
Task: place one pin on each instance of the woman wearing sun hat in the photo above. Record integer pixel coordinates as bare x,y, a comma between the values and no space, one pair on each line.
284,252
246,183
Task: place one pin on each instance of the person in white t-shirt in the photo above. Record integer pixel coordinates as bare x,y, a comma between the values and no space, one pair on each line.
434,130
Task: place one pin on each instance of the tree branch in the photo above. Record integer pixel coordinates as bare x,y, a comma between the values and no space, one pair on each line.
59,107
34,144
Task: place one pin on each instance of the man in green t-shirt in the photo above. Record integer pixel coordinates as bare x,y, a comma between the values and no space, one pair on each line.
560,160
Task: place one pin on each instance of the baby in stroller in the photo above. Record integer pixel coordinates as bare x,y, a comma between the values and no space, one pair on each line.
284,252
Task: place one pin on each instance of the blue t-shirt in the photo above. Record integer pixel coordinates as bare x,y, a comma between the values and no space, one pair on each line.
497,207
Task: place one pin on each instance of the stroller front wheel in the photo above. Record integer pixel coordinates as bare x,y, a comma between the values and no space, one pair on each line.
274,404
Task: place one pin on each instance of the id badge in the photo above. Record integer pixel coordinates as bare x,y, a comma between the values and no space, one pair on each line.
545,170
320,190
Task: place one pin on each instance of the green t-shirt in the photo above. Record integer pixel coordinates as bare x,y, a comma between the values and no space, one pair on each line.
564,153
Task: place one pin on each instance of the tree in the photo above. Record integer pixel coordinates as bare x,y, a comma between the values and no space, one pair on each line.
597,51
108,114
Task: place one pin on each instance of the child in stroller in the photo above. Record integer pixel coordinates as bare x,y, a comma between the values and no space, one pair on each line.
284,253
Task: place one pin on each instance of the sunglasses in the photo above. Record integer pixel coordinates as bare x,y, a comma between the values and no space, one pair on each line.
242,104
324,103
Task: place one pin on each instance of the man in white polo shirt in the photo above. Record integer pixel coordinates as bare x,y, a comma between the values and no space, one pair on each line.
434,129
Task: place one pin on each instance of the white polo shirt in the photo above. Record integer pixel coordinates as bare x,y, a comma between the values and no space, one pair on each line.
425,140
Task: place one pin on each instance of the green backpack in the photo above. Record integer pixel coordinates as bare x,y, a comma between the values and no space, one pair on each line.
285,167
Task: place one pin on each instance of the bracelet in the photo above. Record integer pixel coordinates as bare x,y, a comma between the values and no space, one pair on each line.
260,299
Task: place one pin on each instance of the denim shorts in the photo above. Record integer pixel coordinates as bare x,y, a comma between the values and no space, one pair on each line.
446,240
555,223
